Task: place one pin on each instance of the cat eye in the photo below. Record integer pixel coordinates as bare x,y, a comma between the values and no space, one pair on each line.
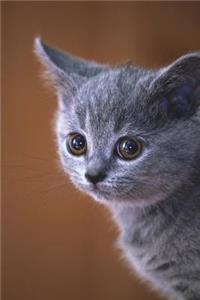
76,144
128,148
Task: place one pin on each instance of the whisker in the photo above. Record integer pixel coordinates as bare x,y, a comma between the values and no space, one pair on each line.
46,175
45,200
47,190
54,188
44,159
55,172
19,166
35,179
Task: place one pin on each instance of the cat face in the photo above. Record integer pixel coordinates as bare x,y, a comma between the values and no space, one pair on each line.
105,121
121,136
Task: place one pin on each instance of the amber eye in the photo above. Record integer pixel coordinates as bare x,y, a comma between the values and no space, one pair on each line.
128,148
76,144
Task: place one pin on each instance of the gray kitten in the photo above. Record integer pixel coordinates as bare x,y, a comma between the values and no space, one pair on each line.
131,138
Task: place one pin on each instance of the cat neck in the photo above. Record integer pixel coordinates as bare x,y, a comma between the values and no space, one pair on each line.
183,203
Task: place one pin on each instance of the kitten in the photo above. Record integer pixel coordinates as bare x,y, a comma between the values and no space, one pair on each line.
131,138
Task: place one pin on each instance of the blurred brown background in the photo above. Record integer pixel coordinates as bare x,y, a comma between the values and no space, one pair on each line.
57,243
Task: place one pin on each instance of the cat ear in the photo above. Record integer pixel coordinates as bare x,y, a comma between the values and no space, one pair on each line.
66,72
179,85
55,73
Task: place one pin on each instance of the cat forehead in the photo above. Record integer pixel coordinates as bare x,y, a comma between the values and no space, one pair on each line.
111,100
112,82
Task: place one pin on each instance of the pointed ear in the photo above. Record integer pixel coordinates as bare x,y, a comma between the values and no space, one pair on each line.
54,71
178,86
66,72
184,69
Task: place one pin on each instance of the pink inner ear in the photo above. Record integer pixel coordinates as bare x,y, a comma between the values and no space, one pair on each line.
197,89
179,102
164,105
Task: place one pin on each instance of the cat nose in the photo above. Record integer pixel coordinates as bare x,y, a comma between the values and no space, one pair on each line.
95,177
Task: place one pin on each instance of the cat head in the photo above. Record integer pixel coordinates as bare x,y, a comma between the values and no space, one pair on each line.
126,134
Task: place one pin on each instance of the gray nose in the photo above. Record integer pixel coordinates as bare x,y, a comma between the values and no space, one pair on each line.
95,177
97,168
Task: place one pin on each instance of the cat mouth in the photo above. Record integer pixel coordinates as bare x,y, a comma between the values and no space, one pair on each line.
99,189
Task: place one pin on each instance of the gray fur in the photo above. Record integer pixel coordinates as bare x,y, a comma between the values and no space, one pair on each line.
155,198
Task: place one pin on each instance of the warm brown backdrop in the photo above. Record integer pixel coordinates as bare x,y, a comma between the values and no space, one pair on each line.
58,244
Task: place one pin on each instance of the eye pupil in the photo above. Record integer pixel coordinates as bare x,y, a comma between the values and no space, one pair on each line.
128,148
76,144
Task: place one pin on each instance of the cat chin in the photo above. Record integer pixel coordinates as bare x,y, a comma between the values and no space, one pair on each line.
113,200
109,198
100,197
